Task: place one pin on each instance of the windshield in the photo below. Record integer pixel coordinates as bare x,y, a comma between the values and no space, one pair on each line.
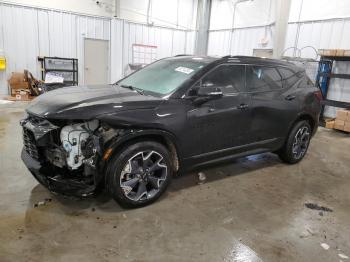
164,76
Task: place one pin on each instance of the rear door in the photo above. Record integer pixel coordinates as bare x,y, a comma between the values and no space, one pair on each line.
273,105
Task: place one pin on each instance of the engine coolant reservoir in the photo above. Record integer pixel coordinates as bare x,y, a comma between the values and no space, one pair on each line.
71,138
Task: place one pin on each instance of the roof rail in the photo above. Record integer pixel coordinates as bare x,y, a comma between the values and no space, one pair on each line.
182,55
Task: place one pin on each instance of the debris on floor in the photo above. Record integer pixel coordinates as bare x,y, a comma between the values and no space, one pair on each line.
310,231
42,203
343,256
317,207
307,233
325,246
201,178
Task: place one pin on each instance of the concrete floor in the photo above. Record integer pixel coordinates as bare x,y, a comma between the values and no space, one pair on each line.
250,210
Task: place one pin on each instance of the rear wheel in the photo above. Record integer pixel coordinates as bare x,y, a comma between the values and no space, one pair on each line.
139,174
297,143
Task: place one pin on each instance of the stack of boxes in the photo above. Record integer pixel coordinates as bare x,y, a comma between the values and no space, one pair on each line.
342,120
19,87
333,52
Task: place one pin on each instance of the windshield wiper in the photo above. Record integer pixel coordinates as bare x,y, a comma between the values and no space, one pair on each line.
133,88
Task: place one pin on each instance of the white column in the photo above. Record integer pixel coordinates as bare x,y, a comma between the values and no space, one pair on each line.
281,25
203,22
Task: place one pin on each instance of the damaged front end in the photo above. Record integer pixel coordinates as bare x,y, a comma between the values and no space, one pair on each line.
64,155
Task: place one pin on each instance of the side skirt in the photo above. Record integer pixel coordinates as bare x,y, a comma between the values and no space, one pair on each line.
226,154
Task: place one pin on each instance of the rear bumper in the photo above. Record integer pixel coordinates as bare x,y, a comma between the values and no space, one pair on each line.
48,176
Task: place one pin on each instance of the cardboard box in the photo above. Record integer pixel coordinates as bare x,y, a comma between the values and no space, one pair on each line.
20,85
347,127
17,81
22,94
16,77
340,52
339,124
329,123
327,52
334,52
342,114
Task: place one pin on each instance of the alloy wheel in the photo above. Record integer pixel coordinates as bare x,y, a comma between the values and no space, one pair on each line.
143,175
301,142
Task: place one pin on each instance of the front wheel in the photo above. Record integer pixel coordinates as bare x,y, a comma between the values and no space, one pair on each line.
297,143
139,174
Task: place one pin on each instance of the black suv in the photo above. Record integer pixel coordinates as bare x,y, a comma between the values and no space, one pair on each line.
176,113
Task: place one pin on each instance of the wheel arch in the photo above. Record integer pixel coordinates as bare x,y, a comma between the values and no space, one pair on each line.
163,137
303,116
308,118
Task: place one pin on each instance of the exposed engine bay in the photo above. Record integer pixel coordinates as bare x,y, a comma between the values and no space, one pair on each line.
76,146
77,142
68,153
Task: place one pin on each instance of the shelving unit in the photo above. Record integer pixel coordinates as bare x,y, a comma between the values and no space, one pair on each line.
323,78
65,67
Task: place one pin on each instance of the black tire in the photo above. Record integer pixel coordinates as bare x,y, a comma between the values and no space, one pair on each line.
133,156
286,153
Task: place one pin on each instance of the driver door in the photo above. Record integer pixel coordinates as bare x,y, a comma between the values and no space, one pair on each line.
221,125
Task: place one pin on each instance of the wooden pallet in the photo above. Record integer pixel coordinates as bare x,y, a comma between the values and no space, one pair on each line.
13,98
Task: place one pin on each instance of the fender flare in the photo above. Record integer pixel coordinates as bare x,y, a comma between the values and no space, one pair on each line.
305,116
135,134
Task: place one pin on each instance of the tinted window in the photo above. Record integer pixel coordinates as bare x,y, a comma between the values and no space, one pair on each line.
288,76
260,78
230,78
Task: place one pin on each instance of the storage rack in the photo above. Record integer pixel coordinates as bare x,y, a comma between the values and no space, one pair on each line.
64,66
324,75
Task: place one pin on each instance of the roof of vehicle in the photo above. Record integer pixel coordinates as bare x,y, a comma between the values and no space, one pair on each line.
238,59
200,59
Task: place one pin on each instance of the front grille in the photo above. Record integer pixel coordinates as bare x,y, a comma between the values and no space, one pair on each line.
30,143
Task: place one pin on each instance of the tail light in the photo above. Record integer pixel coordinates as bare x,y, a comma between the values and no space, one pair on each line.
318,95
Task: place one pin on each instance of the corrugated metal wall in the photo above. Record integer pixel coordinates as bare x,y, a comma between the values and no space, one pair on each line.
244,40
328,34
169,42
26,33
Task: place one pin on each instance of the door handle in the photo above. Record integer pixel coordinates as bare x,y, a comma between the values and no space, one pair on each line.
290,97
242,106
211,109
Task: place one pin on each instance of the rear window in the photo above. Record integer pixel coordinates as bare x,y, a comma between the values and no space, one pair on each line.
263,78
289,77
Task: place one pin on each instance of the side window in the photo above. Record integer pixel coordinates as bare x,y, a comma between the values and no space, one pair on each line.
229,78
261,78
289,77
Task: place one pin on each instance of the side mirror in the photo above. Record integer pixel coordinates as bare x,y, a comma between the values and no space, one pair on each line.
207,93
210,92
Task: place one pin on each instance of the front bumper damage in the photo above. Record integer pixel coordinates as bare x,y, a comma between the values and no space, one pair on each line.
41,137
54,180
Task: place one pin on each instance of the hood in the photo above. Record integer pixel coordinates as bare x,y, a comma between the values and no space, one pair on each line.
86,102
